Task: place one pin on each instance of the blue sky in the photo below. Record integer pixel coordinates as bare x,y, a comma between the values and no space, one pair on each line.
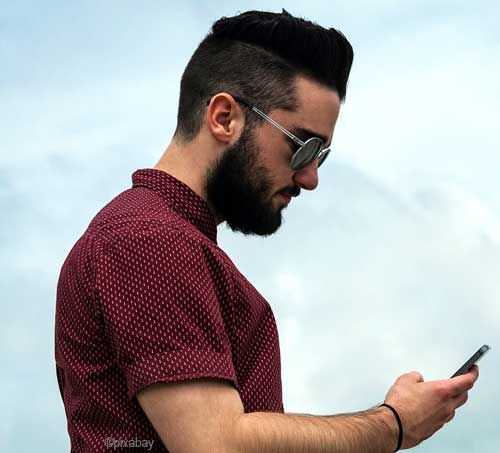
391,265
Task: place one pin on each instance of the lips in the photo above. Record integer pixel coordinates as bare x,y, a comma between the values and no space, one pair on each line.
286,197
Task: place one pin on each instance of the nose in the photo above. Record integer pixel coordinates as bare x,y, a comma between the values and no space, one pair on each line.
307,177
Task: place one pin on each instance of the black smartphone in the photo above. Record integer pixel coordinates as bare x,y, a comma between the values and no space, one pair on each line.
467,365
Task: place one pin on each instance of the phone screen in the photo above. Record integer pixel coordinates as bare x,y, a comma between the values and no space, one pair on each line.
467,365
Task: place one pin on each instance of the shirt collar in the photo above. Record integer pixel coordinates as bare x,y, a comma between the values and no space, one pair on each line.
180,197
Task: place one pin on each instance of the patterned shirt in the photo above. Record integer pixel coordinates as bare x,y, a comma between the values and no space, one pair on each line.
146,295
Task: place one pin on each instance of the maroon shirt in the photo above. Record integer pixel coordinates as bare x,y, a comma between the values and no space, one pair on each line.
146,295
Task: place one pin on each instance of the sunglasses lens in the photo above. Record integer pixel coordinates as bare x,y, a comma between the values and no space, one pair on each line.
307,153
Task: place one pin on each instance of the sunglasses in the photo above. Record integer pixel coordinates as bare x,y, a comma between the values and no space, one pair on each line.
313,148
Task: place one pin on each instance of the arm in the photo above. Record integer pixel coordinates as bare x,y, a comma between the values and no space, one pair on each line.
374,430
207,415
193,415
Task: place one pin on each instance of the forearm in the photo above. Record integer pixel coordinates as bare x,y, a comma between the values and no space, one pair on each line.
374,430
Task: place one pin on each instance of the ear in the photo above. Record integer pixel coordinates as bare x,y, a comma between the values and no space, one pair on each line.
225,119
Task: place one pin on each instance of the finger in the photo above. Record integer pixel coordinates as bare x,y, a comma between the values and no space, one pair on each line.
450,417
472,373
460,400
460,384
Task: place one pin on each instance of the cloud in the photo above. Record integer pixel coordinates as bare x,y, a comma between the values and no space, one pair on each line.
390,265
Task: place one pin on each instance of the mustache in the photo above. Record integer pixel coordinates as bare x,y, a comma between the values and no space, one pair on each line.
293,192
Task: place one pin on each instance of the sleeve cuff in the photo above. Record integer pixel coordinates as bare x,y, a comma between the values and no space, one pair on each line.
171,366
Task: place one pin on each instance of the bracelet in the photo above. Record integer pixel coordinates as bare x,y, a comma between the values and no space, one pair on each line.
400,438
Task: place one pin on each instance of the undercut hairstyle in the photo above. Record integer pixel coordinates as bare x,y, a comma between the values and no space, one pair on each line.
257,55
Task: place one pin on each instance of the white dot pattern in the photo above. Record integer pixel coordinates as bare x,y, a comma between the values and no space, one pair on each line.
146,295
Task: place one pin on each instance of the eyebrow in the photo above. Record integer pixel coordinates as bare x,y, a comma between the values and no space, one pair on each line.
304,134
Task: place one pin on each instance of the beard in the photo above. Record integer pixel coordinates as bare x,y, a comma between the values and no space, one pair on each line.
238,188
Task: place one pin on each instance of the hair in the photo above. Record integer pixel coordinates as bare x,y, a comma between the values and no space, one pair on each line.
257,55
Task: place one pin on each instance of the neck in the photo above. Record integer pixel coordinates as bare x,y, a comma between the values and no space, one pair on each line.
188,165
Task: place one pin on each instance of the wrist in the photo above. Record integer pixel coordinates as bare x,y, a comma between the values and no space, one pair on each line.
392,418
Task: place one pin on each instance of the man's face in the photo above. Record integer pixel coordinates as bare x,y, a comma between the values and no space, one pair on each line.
238,187
245,184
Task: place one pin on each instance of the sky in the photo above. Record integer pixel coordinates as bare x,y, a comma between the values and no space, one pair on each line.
391,265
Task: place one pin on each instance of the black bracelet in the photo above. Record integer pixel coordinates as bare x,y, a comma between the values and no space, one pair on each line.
400,438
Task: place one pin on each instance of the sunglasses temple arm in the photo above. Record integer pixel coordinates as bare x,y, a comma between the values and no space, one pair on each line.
281,128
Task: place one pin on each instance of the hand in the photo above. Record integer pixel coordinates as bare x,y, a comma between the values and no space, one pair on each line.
424,407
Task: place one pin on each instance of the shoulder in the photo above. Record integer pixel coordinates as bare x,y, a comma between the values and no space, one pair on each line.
126,220
155,245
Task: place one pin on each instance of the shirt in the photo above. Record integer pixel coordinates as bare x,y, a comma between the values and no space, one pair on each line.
146,295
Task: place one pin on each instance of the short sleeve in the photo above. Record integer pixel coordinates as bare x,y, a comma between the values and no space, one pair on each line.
166,302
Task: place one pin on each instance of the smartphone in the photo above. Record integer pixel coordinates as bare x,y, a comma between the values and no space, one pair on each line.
467,365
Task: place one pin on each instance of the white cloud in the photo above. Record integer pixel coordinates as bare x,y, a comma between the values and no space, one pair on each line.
391,265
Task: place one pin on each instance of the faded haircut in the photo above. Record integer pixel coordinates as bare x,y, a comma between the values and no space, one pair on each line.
258,55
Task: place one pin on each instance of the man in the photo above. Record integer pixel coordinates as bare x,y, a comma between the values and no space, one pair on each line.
161,343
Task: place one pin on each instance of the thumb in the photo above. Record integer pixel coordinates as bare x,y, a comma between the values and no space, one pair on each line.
413,377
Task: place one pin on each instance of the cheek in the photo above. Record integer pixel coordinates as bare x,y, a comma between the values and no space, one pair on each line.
278,154
274,154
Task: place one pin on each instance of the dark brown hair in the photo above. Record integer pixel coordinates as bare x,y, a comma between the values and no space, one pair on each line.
257,55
